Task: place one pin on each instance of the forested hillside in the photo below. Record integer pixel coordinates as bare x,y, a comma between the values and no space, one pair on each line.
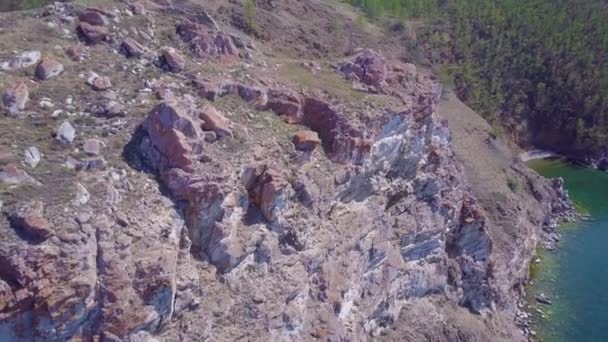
541,60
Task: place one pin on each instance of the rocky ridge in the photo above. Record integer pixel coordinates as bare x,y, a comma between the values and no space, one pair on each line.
193,213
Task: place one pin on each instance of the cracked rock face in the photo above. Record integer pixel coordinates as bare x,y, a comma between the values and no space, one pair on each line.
225,199
349,256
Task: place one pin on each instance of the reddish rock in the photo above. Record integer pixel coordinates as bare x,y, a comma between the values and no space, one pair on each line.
169,126
15,98
207,43
349,149
12,175
286,103
76,52
93,17
132,48
368,67
214,121
30,222
99,83
173,60
92,34
306,140
268,190
48,68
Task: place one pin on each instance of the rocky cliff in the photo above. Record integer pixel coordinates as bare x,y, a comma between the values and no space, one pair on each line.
172,172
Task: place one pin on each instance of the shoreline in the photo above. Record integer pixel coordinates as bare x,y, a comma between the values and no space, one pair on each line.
531,313
536,154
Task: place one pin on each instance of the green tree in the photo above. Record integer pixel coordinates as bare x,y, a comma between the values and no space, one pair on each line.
250,15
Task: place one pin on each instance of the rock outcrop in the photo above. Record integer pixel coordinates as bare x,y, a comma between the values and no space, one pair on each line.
239,194
207,43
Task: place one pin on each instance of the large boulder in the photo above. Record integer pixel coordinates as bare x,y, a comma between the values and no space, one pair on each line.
170,126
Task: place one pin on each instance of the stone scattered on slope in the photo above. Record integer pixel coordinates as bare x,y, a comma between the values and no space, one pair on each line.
91,33
110,109
66,133
138,8
82,194
22,60
214,121
132,48
15,98
94,18
306,140
92,147
32,156
76,52
48,68
206,19
368,67
30,222
12,175
173,61
99,83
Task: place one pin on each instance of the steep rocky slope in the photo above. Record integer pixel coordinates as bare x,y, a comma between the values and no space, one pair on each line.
170,173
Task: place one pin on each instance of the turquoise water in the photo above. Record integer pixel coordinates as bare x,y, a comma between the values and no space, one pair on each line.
575,277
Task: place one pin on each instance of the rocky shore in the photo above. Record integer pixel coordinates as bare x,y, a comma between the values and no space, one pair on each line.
179,170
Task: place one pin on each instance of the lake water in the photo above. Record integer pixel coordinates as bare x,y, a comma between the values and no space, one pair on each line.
15,5
575,277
